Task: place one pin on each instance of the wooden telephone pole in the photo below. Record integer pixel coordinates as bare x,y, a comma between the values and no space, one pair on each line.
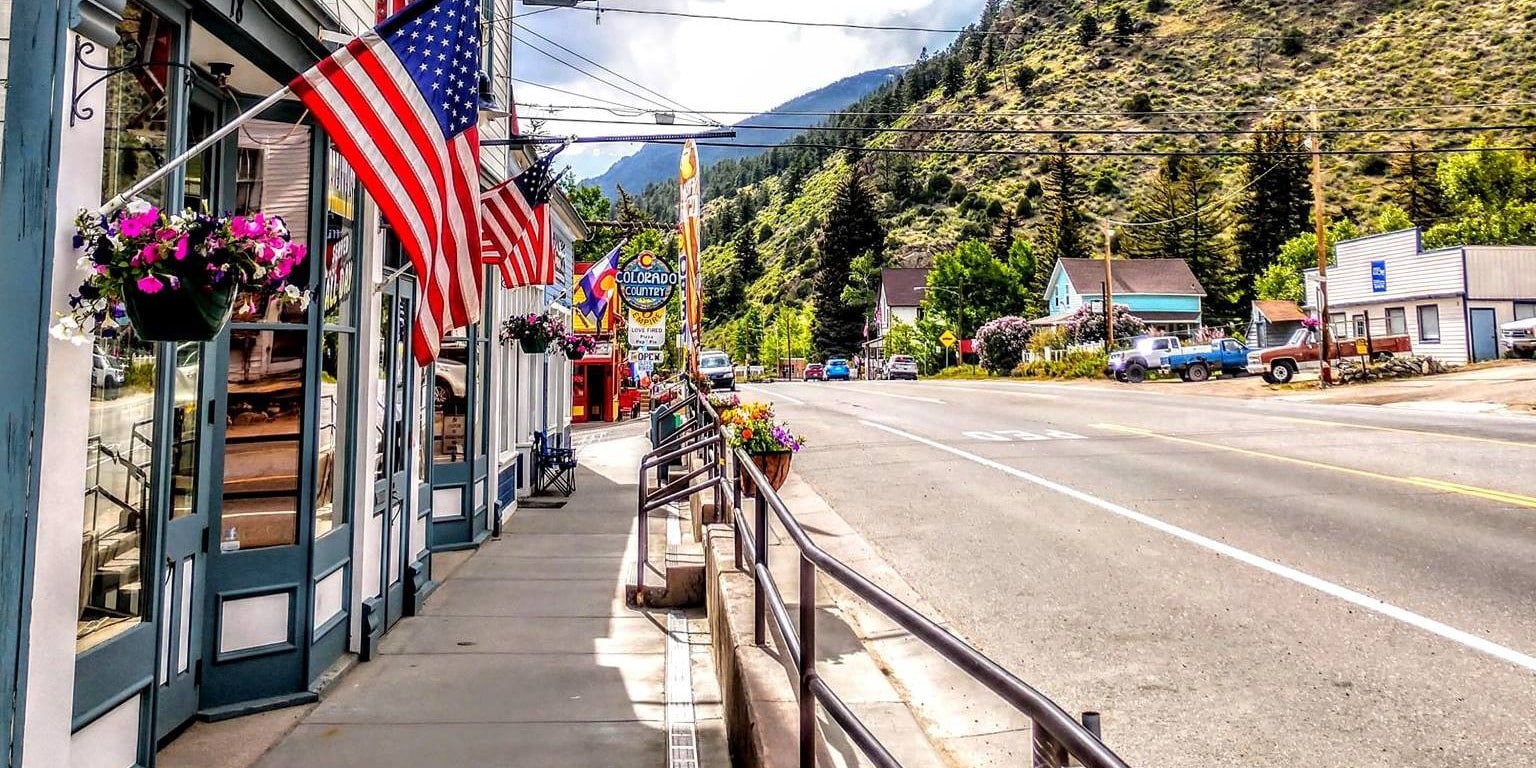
1318,221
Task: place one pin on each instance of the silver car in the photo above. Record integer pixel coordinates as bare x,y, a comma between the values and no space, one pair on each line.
717,366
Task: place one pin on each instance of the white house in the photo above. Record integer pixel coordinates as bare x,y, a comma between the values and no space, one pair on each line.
899,299
1450,301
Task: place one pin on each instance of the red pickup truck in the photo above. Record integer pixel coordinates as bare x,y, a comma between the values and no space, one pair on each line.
1279,365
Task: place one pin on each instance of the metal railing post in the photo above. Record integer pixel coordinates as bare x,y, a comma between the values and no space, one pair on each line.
643,537
760,534
1049,753
807,662
736,507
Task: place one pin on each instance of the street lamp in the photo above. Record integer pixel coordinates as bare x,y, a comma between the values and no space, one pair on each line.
959,292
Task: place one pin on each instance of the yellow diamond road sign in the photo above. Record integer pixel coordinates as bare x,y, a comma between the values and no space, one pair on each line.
948,338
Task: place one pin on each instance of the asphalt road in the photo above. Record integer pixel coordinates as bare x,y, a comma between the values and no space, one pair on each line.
1230,582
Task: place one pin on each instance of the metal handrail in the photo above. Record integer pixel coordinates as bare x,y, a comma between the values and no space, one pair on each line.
1056,734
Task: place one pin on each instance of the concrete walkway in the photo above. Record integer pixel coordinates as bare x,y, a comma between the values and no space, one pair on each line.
525,656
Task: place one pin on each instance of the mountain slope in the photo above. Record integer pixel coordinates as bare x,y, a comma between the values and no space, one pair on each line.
1255,61
656,162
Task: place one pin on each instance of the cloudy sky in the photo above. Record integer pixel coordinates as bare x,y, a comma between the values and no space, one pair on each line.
710,64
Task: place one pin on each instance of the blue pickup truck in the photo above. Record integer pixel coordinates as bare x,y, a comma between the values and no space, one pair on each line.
1229,356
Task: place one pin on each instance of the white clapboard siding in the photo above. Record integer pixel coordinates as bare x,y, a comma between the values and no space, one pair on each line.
1409,272
5,57
1495,272
284,172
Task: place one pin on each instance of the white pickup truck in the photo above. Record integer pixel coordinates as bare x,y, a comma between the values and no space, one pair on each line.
1145,353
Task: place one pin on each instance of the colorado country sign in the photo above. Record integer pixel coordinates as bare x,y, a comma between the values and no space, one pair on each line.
647,282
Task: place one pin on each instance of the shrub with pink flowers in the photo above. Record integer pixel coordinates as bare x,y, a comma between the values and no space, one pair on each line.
142,251
576,345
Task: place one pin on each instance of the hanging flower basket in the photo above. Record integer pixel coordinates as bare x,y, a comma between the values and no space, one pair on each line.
771,445
534,333
175,277
576,346
773,464
192,314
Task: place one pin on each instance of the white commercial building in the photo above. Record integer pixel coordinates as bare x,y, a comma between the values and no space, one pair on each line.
1449,301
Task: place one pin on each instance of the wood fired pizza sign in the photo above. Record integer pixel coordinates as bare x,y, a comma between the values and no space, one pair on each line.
647,283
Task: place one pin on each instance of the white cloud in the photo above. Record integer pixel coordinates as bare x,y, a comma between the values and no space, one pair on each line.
709,64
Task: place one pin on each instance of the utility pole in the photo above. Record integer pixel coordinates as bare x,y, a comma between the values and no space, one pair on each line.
1326,375
1109,289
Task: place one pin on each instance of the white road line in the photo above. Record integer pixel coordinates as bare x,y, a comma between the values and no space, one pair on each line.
863,391
1004,390
1346,594
774,395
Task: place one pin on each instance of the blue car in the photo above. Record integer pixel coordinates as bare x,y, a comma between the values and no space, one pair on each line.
837,370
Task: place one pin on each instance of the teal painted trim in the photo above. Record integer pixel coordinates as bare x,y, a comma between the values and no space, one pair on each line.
257,706
28,218
1151,302
295,603
462,545
89,716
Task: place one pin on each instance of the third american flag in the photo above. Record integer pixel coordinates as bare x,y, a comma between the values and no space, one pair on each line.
516,233
401,103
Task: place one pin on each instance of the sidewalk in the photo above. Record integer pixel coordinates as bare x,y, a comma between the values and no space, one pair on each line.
525,656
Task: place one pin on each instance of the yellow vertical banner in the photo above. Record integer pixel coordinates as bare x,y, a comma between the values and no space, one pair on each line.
688,223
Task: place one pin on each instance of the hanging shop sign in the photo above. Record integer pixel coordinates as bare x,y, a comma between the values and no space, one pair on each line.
651,357
647,283
647,329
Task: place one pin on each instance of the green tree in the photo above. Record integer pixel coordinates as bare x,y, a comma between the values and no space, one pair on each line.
1125,26
1416,186
954,75
592,205
1087,28
1178,218
1024,77
863,283
1065,222
1021,259
903,339
982,83
1391,218
749,336
852,229
1277,203
1491,195
1282,279
970,286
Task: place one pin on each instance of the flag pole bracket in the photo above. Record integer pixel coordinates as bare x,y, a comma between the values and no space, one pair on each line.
83,49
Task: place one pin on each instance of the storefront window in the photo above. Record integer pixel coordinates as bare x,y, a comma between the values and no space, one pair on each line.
137,102
335,398
119,479
272,178
185,422
452,379
340,234
262,439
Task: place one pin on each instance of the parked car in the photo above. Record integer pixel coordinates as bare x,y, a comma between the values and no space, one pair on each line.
718,367
1226,356
1144,354
815,372
1279,365
901,367
837,370
104,373
1520,337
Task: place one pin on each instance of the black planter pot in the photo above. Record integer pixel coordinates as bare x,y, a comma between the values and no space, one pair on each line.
533,346
188,314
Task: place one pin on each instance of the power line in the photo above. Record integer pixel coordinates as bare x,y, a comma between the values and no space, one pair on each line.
600,65
637,110
1071,131
1108,113
1009,33
1099,153
598,78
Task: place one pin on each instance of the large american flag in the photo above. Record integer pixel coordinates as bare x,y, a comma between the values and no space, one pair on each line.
515,226
401,103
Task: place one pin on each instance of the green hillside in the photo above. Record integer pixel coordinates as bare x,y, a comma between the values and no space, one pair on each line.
1253,63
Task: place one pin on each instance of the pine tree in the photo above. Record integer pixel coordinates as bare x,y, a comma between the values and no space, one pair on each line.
1124,26
982,83
1087,28
1064,220
1189,227
1002,235
1024,77
1417,186
954,75
852,229
1278,202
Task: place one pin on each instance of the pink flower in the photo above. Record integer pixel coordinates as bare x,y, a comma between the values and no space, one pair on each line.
150,254
299,251
181,248
136,226
150,284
